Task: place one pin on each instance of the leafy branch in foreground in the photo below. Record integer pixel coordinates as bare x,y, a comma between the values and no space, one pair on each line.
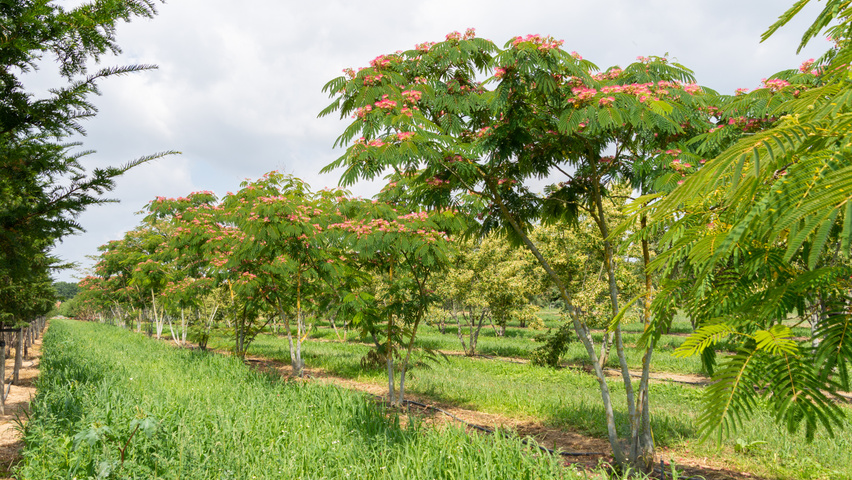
761,239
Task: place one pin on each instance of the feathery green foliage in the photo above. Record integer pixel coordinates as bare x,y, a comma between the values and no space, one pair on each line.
762,232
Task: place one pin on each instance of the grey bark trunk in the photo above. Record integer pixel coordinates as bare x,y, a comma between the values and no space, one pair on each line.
579,328
3,376
19,359
461,334
404,368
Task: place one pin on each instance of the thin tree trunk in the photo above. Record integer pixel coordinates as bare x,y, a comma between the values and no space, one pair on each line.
298,367
475,338
405,362
461,334
183,326
19,359
157,320
609,259
289,338
579,328
642,441
172,330
389,360
334,326
3,375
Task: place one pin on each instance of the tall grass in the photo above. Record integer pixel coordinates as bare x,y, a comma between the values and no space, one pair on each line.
570,398
207,416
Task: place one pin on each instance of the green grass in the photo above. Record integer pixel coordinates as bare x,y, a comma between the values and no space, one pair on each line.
210,417
569,398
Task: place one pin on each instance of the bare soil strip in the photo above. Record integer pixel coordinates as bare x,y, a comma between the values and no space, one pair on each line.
17,408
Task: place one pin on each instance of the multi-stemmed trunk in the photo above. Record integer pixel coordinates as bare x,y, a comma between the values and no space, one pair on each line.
405,361
159,322
474,327
296,362
641,453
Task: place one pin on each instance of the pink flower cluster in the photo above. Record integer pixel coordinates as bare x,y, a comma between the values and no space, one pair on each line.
403,136
436,182
584,93
385,103
383,61
544,43
363,111
610,74
691,88
424,47
805,67
748,124
642,91
412,95
414,216
775,84
373,79
483,132
372,143
468,34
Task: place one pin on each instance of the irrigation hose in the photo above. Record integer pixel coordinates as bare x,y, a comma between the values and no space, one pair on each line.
488,430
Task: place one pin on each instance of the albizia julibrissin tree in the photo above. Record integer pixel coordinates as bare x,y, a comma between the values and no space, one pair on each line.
424,116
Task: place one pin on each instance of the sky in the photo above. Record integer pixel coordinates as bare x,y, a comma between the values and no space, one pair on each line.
238,87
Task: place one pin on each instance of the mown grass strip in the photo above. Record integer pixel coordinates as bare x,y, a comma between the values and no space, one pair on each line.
207,416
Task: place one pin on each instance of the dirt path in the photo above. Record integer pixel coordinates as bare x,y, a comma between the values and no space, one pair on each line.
17,407
685,378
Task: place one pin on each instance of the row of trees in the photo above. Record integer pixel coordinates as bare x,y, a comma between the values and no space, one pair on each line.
276,254
745,197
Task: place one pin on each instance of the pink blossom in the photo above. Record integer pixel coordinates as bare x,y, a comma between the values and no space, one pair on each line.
806,65
775,84
412,95
385,103
424,47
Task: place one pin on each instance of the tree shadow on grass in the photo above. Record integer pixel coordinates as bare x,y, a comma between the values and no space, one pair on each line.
590,419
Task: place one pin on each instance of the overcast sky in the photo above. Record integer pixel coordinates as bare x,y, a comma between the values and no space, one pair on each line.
239,85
